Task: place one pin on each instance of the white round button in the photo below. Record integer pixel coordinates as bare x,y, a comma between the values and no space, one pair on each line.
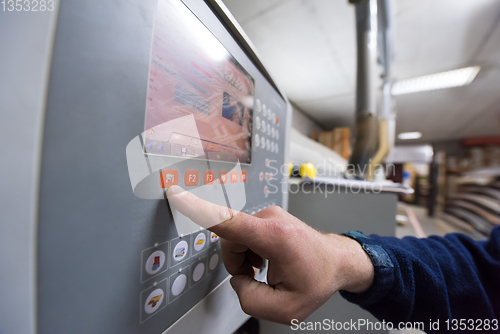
180,251
214,261
263,126
179,285
274,118
200,241
269,114
198,272
268,129
258,105
154,300
268,144
263,143
155,262
257,140
261,176
264,110
213,237
257,122
273,132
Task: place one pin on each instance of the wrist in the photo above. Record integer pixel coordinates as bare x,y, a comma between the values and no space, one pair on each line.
355,268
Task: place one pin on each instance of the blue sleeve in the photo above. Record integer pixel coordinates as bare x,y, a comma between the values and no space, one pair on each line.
436,278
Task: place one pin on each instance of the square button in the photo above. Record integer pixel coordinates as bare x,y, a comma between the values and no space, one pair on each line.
222,177
208,177
169,177
243,177
234,177
191,178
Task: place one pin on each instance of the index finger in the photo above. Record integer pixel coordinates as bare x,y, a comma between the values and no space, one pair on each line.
228,224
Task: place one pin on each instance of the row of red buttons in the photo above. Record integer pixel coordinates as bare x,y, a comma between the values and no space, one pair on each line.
170,177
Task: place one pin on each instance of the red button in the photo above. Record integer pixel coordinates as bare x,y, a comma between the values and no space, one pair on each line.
234,177
208,177
243,177
222,177
191,178
277,120
169,177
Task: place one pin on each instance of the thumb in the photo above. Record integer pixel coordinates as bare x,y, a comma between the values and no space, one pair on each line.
260,300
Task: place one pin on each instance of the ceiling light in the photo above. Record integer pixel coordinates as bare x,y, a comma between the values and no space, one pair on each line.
448,79
409,135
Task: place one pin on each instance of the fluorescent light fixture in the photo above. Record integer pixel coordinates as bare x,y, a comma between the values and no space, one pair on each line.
448,79
409,135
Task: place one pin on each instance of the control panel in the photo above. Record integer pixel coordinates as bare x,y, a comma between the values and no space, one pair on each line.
164,94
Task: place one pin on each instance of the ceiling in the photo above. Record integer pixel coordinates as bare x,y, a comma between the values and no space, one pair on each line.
308,47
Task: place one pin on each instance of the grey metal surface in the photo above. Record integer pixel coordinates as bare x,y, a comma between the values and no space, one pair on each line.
92,229
340,212
25,49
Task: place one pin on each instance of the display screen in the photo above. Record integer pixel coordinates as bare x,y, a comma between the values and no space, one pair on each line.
192,73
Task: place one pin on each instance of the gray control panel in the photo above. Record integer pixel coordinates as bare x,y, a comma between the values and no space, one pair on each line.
110,256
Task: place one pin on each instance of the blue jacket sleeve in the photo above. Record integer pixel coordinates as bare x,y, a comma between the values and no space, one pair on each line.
436,278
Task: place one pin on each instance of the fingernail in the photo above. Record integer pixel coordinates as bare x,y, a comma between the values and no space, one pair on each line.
175,190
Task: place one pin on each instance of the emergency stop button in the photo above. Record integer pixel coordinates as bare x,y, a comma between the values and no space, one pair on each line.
191,178
169,177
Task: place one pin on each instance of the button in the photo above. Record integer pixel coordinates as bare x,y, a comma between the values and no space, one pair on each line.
268,142
155,262
264,126
264,110
277,121
263,142
243,177
234,177
258,106
169,177
213,237
200,241
180,251
274,118
222,177
266,191
191,178
273,132
268,129
267,176
272,147
154,300
277,135
257,122
214,261
267,162
261,176
257,140
179,285
198,271
208,177
269,114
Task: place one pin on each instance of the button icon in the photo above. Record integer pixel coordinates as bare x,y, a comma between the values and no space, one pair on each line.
222,177
191,178
243,177
200,241
208,177
261,176
155,262
169,177
179,285
180,251
213,237
234,177
214,261
154,301
198,272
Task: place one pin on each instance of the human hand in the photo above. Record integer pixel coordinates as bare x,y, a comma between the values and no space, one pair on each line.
306,267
